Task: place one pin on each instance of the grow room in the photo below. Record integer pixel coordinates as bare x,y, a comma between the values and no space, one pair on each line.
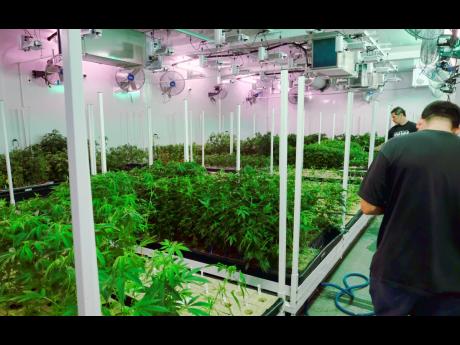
197,171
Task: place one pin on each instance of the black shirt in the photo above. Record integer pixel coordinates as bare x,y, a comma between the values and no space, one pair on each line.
398,130
416,179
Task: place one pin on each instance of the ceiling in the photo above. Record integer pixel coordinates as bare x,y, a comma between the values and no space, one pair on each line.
402,48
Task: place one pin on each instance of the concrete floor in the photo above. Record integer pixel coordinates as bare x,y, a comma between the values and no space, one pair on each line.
358,260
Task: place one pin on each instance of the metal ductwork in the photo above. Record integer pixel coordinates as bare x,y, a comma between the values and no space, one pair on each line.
116,47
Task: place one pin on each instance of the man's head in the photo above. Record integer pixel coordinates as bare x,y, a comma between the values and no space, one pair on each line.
440,115
398,115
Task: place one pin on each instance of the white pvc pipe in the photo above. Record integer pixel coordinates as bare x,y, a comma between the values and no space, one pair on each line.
320,126
346,159
298,189
23,125
231,132
238,138
101,118
84,241
92,145
150,134
388,121
333,127
283,182
202,138
253,124
272,135
186,156
375,105
219,105
7,153
191,137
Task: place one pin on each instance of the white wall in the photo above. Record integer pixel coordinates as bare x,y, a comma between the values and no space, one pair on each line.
45,106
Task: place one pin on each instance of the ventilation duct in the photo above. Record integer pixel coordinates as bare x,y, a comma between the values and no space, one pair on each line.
116,47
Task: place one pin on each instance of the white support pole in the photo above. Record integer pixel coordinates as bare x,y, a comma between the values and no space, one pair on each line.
7,153
272,136
333,126
231,132
298,189
203,142
23,125
238,138
219,105
320,126
253,124
346,159
150,134
388,121
101,118
359,125
80,188
186,156
191,136
283,182
375,105
92,145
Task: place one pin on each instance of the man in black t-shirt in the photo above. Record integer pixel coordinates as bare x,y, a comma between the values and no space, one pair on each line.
415,183
403,125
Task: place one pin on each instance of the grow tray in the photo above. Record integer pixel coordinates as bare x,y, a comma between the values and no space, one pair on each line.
27,192
324,242
217,169
254,302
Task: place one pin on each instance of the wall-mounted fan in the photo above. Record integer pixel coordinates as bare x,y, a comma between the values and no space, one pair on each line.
172,83
425,34
219,92
253,95
53,73
293,94
130,80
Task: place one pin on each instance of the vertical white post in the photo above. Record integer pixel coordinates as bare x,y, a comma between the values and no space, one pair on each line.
272,136
388,121
231,132
150,134
333,126
253,124
202,138
186,156
298,190
219,105
92,146
101,118
23,125
359,124
191,136
320,126
346,159
238,138
375,105
7,152
283,182
80,187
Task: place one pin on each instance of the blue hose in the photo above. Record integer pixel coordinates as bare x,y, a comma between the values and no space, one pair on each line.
348,290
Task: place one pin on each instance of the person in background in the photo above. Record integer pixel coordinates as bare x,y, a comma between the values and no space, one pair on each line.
415,183
402,125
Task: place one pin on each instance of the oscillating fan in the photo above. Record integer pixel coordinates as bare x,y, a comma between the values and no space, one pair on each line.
425,34
53,73
172,83
293,95
130,80
219,92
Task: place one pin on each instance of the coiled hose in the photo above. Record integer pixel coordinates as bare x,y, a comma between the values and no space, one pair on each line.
348,290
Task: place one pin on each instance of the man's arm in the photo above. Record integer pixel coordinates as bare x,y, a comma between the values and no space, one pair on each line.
370,209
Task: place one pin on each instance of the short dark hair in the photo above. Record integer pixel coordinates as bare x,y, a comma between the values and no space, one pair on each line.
444,109
398,111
